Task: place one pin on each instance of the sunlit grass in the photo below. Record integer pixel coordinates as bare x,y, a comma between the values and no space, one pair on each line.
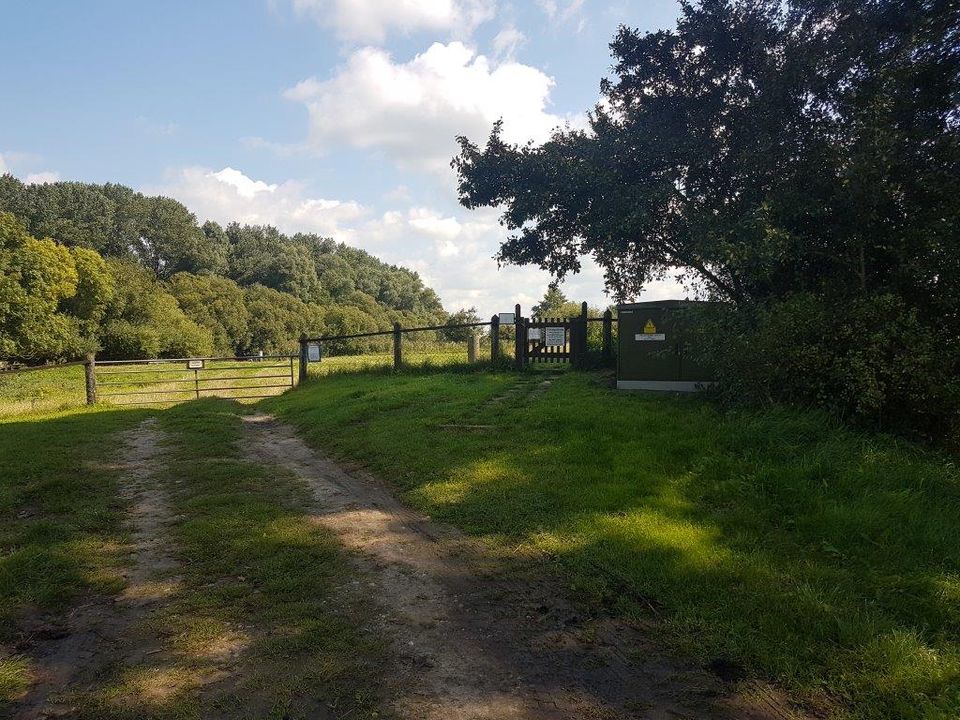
816,557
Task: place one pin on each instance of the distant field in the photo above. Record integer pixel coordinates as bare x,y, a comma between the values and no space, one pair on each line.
59,388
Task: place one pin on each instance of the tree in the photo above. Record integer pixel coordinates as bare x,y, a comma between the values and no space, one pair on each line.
552,304
144,321
36,276
217,304
461,317
759,149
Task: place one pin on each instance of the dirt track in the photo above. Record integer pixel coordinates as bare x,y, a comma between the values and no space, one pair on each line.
73,650
475,639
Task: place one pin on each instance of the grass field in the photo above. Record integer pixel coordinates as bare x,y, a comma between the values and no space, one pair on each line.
805,553
60,388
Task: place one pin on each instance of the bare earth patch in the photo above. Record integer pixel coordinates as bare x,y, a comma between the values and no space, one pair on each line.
476,637
69,653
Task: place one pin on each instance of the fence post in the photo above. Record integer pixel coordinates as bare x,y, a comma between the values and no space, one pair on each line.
397,339
89,371
473,348
581,333
304,357
607,334
494,338
518,338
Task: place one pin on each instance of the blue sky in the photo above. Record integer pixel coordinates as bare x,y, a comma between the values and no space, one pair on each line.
329,116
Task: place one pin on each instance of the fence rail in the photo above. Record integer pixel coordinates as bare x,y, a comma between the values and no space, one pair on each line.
149,382
574,347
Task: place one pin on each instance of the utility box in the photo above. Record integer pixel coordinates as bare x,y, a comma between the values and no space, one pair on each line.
653,338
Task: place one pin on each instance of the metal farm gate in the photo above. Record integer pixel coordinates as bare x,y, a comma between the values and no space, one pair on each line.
162,381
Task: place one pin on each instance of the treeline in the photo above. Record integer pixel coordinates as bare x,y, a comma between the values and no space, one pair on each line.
102,267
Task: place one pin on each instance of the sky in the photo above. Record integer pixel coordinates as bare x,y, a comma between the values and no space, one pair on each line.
337,117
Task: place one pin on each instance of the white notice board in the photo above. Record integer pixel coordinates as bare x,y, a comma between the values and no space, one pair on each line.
555,336
313,352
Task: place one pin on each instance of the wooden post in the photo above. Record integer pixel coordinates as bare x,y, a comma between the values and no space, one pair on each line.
607,334
518,338
473,348
89,370
494,339
304,357
397,339
581,333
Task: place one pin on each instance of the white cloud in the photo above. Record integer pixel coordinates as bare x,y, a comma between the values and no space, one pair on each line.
453,252
413,111
38,178
372,20
507,42
229,195
20,165
563,12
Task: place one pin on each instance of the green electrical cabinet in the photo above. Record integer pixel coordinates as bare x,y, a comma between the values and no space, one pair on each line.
653,349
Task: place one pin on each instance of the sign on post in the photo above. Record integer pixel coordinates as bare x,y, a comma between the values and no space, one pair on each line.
313,352
508,318
534,334
555,336
194,364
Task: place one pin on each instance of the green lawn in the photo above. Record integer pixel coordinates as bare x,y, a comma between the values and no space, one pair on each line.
825,560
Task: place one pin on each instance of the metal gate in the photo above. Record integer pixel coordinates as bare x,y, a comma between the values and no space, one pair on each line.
163,381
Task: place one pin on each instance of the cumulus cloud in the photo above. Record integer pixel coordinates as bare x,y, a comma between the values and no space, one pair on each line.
413,111
372,20
229,195
39,178
452,251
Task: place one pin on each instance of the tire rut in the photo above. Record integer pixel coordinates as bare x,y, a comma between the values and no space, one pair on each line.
474,639
70,652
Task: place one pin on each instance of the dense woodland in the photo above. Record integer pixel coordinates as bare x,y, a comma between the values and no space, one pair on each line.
102,267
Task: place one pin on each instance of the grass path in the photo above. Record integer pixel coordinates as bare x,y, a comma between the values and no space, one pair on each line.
478,636
772,545
224,599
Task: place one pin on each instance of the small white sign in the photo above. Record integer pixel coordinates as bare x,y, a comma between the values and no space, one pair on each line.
508,319
194,364
555,336
650,336
313,352
534,334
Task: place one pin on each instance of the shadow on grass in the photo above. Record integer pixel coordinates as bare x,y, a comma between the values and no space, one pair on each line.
823,559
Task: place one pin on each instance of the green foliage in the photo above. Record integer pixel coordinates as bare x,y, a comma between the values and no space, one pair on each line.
217,304
145,321
36,276
764,150
202,289
461,317
277,320
872,360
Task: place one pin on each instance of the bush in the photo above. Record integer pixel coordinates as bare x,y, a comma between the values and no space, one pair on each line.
870,360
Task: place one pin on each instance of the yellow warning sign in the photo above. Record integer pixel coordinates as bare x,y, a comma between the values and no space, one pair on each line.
649,328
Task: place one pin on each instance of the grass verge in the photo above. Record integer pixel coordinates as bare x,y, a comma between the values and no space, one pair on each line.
61,523
825,560
267,621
